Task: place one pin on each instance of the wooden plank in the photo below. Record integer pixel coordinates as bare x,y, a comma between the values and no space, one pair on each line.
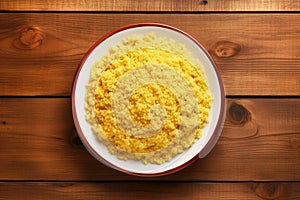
257,54
260,141
156,5
150,190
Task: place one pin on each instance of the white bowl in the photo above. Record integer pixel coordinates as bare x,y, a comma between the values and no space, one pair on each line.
210,132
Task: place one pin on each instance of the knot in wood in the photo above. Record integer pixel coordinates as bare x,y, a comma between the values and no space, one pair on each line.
226,49
269,190
203,2
76,141
30,38
238,114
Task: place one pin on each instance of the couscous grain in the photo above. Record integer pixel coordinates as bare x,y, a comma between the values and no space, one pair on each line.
147,99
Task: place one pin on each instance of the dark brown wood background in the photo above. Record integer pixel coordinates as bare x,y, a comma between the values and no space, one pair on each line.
256,45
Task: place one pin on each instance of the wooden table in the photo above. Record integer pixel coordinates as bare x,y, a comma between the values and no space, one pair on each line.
256,45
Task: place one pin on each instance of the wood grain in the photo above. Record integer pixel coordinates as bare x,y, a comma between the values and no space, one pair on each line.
260,141
257,54
255,44
155,5
146,190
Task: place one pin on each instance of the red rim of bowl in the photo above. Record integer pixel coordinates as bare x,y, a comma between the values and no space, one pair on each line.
208,146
